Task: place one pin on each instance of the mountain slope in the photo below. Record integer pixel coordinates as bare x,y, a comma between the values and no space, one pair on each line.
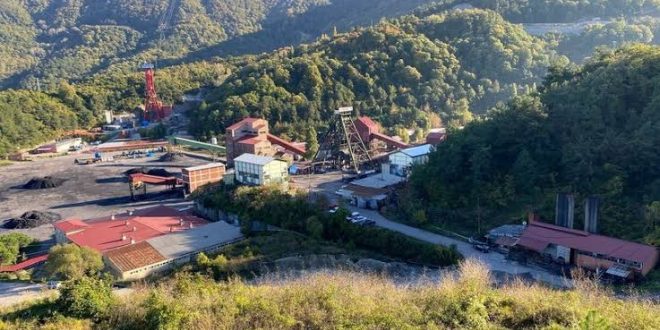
591,131
52,38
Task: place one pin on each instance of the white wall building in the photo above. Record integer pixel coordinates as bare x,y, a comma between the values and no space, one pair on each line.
260,170
403,160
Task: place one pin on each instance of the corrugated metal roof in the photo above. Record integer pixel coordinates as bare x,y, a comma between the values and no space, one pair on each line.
103,234
417,151
254,159
134,256
204,167
196,239
538,235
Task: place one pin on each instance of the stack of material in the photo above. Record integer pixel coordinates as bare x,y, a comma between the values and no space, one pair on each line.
44,183
32,219
171,157
150,171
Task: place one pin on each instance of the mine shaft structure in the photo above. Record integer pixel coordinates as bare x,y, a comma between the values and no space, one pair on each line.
344,137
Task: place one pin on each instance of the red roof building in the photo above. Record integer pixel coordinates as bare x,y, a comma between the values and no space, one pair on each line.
111,232
591,251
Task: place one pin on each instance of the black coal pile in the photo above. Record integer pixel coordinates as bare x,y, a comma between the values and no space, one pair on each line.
149,171
171,157
32,219
137,170
160,172
44,183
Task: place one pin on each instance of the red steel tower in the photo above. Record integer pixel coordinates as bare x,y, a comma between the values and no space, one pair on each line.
154,110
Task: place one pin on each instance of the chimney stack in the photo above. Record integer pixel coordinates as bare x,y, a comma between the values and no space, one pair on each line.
190,225
123,237
132,241
126,222
591,214
112,217
134,229
130,212
564,210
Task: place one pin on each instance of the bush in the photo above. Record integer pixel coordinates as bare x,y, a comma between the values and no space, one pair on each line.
72,262
86,297
276,207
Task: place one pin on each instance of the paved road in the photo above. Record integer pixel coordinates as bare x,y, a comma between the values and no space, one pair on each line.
327,184
495,261
16,292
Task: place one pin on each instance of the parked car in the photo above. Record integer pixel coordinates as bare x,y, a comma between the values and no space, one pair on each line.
482,247
355,214
369,223
52,285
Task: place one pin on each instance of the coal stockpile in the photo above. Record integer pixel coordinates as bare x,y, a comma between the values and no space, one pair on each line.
150,171
44,183
170,157
140,170
32,219
160,172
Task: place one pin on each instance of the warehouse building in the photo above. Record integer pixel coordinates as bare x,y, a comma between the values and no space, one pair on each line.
195,177
616,257
257,170
137,261
402,161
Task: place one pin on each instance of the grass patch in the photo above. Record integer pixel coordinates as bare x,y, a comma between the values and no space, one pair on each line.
4,162
346,300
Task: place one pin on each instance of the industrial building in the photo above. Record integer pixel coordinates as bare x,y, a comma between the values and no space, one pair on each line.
139,260
616,257
371,192
402,161
260,170
60,146
195,177
124,229
252,136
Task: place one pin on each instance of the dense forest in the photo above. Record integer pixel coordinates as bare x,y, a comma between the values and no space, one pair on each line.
590,130
436,66
404,72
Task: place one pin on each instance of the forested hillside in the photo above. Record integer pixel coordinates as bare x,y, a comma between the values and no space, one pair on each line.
405,72
590,131
56,39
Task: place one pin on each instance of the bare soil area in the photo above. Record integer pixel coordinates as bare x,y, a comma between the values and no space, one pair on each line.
87,191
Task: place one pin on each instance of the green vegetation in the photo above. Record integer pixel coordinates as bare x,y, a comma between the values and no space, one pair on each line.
555,11
348,300
71,262
590,131
612,35
86,297
270,205
11,245
401,72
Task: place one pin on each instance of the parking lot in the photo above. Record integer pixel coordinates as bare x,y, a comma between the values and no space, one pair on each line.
88,190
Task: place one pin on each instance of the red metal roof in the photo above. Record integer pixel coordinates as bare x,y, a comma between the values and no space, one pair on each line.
369,123
25,264
104,233
243,122
68,226
251,140
538,235
153,179
286,145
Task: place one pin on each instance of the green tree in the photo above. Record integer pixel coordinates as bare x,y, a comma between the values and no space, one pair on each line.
312,143
86,297
11,245
70,261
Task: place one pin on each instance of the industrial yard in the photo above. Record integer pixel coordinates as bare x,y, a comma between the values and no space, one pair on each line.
88,190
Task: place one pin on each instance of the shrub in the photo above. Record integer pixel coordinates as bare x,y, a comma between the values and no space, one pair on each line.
86,297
